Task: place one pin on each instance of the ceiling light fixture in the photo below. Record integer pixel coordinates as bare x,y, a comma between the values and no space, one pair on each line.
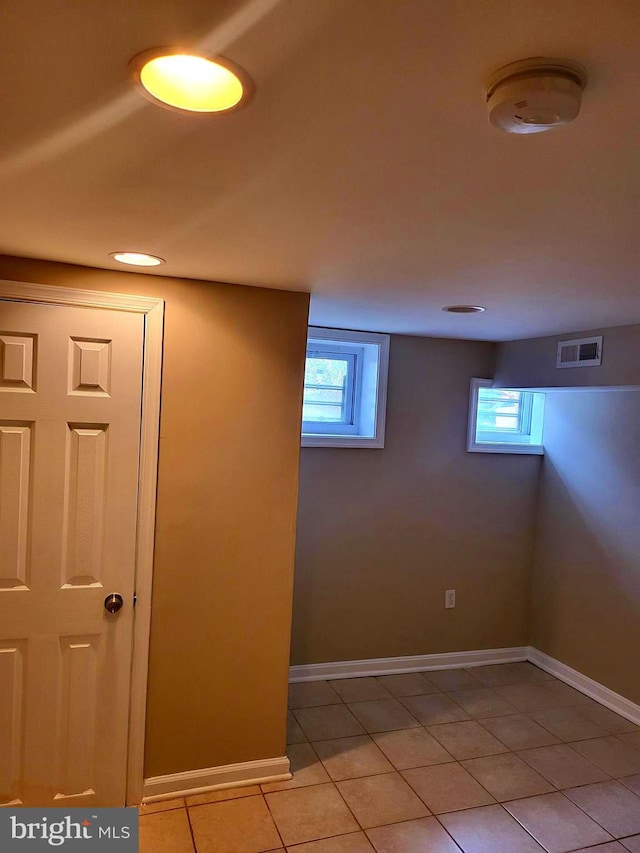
534,95
464,309
185,81
137,259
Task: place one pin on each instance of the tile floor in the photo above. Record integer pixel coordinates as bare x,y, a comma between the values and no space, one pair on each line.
494,759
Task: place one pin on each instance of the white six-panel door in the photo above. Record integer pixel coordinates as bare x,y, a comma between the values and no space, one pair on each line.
70,395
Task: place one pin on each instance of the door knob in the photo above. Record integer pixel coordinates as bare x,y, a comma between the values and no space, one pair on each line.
113,602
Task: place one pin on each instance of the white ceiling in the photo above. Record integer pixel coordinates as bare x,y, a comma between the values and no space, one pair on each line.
364,170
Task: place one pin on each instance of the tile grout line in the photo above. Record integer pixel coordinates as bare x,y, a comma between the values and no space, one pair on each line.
578,806
398,772
423,801
454,760
333,782
273,820
479,721
395,771
582,810
193,838
365,830
496,802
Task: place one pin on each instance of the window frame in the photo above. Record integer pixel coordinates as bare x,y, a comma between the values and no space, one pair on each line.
353,357
510,442
370,351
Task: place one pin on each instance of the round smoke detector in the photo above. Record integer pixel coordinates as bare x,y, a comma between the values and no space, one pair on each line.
534,95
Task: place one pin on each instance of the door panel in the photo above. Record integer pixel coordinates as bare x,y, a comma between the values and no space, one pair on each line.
15,499
84,500
78,689
70,395
11,720
90,367
17,361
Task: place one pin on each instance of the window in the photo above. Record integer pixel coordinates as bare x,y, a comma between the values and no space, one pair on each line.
329,388
345,388
504,420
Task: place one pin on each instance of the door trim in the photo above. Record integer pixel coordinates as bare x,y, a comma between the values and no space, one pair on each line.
153,311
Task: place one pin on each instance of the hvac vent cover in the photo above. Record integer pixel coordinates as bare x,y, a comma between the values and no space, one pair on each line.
580,352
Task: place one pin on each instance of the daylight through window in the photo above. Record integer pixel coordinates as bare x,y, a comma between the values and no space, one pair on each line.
504,420
345,384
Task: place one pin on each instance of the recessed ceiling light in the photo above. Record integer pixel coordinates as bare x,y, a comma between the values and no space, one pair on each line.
137,259
185,81
464,309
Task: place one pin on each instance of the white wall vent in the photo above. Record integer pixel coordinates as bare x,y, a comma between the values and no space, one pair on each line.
580,352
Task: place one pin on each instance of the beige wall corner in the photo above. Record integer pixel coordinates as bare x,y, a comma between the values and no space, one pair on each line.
531,363
383,533
586,591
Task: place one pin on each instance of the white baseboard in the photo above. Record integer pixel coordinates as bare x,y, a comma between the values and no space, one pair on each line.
614,701
214,778
277,769
413,663
482,657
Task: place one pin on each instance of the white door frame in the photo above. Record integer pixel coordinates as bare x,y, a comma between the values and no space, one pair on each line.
153,313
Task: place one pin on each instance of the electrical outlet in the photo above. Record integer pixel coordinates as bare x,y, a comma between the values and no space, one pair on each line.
450,598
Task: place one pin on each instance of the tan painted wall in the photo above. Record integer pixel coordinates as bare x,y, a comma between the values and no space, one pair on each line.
383,533
228,476
586,591
532,363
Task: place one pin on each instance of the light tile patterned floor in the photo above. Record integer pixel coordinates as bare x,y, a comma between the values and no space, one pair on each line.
493,759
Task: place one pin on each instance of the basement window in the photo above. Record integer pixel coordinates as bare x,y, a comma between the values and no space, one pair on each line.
504,420
345,389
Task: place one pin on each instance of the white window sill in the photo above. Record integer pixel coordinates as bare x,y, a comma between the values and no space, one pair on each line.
352,441
527,449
